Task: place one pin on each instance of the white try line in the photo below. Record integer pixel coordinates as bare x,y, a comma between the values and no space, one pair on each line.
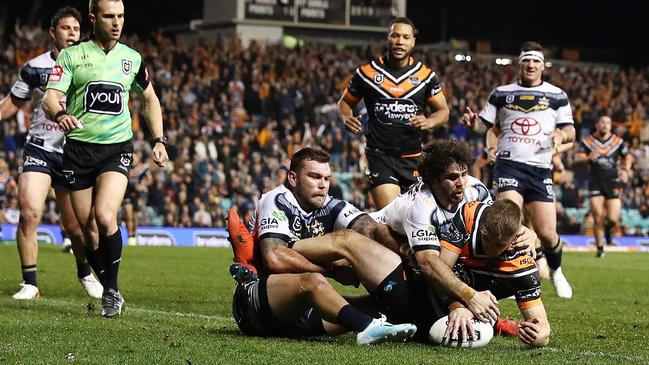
130,308
595,354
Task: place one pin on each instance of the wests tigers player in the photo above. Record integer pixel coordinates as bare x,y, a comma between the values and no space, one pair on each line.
486,260
396,90
601,150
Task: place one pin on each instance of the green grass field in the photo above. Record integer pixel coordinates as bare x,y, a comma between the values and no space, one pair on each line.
178,312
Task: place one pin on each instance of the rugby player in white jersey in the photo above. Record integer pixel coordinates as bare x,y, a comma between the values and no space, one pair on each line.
42,158
291,297
527,121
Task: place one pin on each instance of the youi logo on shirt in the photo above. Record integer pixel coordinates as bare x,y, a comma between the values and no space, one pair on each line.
103,97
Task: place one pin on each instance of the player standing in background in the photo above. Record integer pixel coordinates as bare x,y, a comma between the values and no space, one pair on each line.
601,151
97,75
528,120
42,163
396,89
138,179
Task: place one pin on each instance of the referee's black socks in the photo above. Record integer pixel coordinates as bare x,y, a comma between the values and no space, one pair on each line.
110,249
553,255
97,263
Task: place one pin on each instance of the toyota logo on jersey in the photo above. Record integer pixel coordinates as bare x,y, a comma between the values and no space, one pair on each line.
526,126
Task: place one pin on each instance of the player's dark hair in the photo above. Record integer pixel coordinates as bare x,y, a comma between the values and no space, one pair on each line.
403,20
501,221
93,5
439,155
531,46
65,12
307,154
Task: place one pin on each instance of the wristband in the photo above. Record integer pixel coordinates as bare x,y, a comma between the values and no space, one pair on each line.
467,293
60,113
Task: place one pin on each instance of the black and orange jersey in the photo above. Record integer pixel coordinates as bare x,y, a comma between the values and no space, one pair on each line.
393,96
512,273
607,152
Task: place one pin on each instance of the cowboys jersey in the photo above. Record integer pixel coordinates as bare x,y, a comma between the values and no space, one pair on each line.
31,84
279,215
393,96
526,116
416,215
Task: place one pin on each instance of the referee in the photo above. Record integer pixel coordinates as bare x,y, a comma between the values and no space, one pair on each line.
96,76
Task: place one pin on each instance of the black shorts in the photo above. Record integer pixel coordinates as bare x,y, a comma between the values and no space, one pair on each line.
252,313
83,162
526,287
610,188
36,159
533,183
390,169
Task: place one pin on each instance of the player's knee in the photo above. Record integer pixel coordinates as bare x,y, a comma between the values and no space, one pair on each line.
30,215
105,220
312,283
548,237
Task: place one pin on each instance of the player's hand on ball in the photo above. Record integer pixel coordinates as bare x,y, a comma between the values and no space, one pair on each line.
484,306
460,325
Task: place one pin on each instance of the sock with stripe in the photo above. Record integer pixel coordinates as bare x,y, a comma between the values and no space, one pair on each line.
29,274
110,249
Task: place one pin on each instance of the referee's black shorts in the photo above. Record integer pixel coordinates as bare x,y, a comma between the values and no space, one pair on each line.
83,161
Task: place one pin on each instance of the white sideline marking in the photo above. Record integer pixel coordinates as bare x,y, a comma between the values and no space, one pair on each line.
596,354
130,308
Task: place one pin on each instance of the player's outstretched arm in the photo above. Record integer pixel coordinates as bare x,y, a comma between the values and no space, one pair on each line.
153,116
483,304
535,329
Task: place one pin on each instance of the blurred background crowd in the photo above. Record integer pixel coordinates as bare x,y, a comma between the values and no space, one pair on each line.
235,114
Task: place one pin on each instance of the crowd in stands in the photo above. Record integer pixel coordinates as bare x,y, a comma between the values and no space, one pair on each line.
234,114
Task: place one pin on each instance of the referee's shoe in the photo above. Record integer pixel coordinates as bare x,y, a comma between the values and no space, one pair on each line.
112,304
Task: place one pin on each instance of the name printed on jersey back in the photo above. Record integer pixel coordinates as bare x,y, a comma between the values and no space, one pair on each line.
394,111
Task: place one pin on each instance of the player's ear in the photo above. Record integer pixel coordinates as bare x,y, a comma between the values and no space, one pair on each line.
292,178
92,18
51,31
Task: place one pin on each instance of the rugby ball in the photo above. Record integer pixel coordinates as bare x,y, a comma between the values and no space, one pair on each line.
484,332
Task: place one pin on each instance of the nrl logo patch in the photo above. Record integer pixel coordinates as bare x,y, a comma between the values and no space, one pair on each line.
127,66
509,98
378,78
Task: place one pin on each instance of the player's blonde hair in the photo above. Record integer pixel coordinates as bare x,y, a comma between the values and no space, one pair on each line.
500,223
